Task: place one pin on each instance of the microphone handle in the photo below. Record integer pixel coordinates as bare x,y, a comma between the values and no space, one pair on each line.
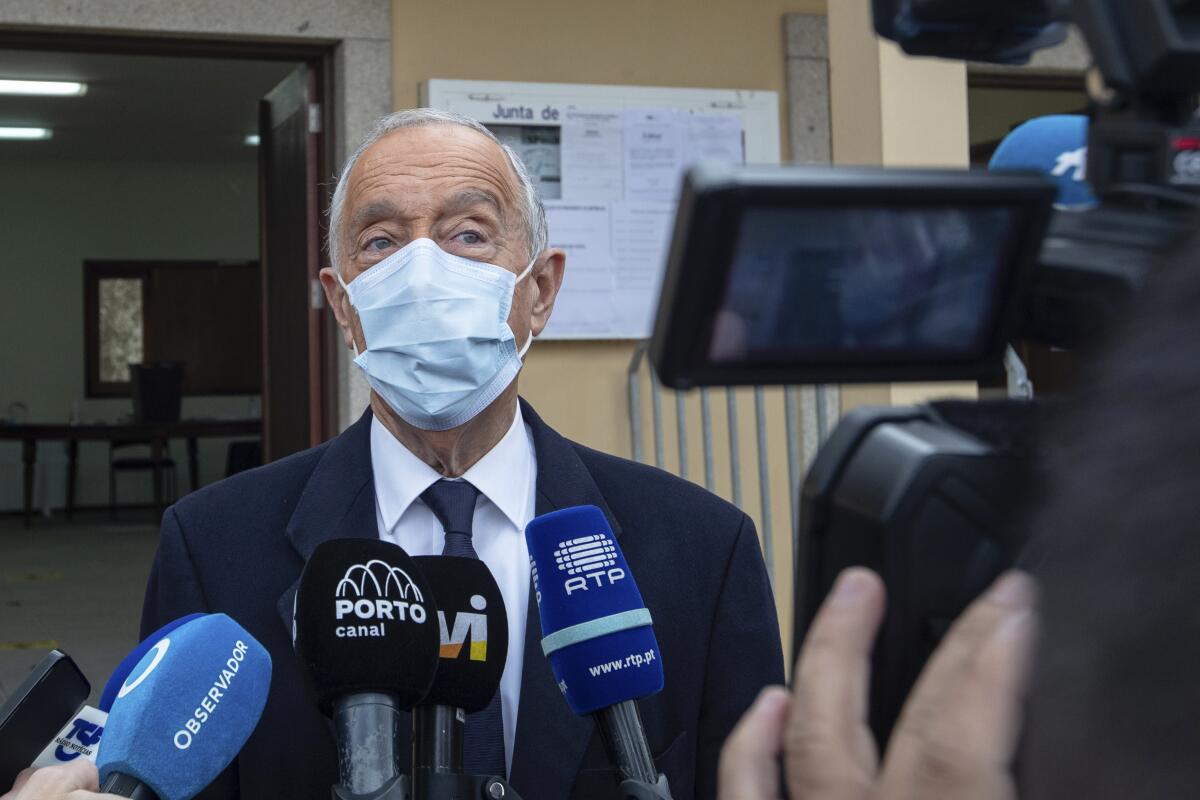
123,785
366,725
625,741
438,734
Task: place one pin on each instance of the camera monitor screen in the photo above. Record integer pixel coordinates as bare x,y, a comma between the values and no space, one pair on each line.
850,276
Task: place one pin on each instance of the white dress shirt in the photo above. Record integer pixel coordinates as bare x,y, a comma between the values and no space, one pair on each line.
506,478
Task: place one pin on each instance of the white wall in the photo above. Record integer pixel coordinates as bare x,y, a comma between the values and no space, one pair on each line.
53,216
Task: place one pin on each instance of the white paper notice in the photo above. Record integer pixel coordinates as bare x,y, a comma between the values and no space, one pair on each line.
591,156
715,137
654,145
641,237
585,305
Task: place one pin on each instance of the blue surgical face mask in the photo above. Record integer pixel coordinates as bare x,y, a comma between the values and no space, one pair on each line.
439,349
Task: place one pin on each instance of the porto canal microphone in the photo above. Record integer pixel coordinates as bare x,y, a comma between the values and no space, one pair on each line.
473,629
80,737
184,711
366,627
36,710
598,635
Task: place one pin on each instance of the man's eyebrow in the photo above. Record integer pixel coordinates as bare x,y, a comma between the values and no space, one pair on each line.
373,212
467,199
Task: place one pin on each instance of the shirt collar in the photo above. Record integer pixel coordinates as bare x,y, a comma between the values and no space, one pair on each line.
502,475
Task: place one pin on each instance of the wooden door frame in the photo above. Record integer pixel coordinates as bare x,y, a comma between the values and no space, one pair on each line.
319,58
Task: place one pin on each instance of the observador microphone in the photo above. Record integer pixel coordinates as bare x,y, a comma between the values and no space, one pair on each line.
598,636
185,711
365,625
473,631
81,736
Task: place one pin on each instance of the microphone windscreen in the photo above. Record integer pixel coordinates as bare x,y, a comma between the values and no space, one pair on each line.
135,655
473,630
187,708
1056,146
365,621
596,629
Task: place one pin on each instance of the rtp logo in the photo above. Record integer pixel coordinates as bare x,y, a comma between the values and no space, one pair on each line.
468,625
588,558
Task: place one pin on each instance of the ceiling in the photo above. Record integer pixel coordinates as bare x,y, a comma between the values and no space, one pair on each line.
137,107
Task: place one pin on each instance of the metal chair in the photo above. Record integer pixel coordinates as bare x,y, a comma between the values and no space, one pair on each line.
137,463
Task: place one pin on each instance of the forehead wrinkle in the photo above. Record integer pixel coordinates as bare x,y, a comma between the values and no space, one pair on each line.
451,151
398,191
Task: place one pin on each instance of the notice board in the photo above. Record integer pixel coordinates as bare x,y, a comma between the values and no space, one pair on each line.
608,162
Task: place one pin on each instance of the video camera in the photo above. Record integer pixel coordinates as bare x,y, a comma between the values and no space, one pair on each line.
800,275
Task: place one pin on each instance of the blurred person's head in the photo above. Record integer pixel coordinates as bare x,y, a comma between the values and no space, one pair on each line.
1115,702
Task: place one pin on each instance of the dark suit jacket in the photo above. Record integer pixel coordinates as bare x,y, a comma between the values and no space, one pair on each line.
238,547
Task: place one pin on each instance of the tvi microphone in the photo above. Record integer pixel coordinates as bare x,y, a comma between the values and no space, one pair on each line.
81,736
365,626
184,711
473,630
598,635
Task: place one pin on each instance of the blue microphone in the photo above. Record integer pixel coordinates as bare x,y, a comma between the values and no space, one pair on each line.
1056,146
184,711
84,731
117,679
597,634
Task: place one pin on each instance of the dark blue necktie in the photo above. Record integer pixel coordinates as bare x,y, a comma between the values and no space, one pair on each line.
453,503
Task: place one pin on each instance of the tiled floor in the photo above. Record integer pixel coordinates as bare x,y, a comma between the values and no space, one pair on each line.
76,586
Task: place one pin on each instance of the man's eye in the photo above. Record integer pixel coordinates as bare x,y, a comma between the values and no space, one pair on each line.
379,243
470,237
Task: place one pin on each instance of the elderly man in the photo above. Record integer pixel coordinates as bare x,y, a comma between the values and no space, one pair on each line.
442,279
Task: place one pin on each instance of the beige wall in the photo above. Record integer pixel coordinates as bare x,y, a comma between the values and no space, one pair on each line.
887,109
580,388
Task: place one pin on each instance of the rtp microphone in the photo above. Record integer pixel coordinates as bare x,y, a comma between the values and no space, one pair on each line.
366,627
1056,146
185,711
598,635
473,629
36,710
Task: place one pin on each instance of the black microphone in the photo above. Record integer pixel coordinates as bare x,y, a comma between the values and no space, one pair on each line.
32,715
598,636
473,630
365,625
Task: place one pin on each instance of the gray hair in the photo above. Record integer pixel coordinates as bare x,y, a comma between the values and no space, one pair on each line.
533,214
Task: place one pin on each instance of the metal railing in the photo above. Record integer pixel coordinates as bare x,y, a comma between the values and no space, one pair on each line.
806,424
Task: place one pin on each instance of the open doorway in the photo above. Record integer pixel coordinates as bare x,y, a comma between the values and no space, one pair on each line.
164,214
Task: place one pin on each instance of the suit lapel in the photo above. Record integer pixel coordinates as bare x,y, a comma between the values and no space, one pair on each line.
550,738
338,502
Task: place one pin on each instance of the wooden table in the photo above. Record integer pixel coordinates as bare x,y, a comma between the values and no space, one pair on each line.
157,433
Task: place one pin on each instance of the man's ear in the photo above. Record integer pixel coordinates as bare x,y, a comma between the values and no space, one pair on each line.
338,300
547,277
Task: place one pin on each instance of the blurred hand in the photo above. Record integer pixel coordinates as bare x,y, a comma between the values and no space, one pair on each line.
955,737
75,781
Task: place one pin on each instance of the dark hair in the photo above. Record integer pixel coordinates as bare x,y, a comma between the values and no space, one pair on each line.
1115,700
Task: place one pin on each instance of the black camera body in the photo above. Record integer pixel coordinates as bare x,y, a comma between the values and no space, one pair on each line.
804,275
